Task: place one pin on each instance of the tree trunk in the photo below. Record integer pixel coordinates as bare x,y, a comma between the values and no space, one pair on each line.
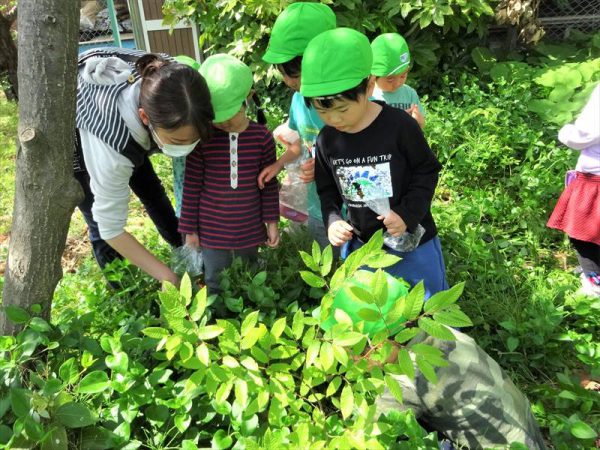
46,192
8,56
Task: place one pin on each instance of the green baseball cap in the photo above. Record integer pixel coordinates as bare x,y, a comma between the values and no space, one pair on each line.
185,59
229,82
390,55
295,27
335,61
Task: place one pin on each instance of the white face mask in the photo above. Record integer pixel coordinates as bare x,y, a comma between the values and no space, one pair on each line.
173,150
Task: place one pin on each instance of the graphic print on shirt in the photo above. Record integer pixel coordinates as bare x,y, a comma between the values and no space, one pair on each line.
362,183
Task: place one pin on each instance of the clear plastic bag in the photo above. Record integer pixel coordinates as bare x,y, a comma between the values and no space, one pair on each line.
406,242
187,259
293,194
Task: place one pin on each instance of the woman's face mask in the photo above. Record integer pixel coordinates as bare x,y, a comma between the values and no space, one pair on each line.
173,150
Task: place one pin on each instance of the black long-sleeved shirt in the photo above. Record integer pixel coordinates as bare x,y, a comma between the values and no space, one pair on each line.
390,158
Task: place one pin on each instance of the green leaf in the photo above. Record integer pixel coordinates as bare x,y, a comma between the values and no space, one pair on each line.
156,332
298,324
348,339
316,252
312,352
185,288
309,261
453,318
209,332
189,445
203,354
406,335
16,314
56,439
182,422
119,362
68,371
394,387
406,364
39,324
260,278
94,382
157,413
278,327
186,351
327,261
426,369
370,315
340,355
221,440
20,401
441,300
74,415
346,401
582,430
359,294
249,322
386,260
312,279
414,302
512,343
326,356
333,386
241,392
379,288
198,306
250,339
437,330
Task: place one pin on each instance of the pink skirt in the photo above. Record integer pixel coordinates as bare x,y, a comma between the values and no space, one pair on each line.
577,212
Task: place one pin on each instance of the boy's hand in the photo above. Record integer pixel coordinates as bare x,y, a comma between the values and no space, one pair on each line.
415,113
268,173
394,224
339,232
308,171
272,234
192,240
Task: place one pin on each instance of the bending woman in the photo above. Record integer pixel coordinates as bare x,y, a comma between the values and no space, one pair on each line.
128,104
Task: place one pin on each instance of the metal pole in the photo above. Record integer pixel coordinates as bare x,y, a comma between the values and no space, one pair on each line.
112,15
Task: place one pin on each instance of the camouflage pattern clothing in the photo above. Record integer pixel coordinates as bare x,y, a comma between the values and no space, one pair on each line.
474,403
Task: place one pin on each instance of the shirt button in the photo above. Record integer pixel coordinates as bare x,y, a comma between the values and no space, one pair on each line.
233,137
233,164
233,176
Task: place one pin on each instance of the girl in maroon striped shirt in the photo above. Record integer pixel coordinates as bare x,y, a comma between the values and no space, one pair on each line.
224,213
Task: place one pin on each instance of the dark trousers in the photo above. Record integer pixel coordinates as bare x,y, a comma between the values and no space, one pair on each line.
147,186
215,260
588,255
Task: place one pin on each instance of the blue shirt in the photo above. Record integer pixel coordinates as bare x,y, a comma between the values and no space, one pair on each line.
402,98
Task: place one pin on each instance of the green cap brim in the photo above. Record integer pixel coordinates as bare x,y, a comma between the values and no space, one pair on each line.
329,87
277,57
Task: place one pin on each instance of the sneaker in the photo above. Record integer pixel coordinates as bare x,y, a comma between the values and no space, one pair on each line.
590,284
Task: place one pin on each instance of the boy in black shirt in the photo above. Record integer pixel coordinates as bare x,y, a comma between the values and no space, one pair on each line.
366,151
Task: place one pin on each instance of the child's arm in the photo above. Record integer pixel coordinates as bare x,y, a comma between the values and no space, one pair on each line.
269,194
338,230
192,186
291,154
416,114
424,168
585,132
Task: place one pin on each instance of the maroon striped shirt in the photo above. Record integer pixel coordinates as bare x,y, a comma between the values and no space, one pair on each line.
224,217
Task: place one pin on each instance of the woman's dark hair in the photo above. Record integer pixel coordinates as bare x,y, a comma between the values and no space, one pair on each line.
174,95
292,68
350,94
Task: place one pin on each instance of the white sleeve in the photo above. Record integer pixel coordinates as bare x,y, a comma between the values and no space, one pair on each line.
109,181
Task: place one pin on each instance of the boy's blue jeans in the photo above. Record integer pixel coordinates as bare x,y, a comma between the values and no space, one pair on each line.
426,263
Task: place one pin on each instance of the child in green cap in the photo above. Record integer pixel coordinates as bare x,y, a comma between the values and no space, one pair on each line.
391,64
294,28
370,152
224,213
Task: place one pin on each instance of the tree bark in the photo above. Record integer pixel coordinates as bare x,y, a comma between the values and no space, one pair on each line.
8,54
46,191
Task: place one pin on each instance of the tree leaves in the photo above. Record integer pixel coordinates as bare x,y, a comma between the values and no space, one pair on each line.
74,415
94,382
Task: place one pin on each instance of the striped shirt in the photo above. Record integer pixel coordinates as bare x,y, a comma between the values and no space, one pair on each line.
221,199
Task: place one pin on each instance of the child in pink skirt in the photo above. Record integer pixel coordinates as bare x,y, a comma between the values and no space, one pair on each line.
577,212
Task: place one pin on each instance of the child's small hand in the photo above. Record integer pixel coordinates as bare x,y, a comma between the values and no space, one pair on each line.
394,224
339,232
268,173
415,113
272,234
192,240
308,170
